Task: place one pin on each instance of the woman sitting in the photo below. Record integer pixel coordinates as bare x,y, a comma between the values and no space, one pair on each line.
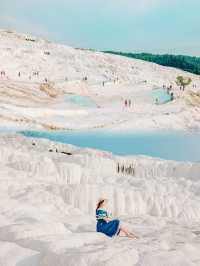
107,225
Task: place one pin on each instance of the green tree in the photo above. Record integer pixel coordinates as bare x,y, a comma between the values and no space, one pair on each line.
183,81
186,63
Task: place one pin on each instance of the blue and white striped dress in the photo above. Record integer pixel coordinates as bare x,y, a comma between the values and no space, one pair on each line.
110,228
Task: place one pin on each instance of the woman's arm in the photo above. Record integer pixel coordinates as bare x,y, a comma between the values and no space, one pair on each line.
103,215
107,219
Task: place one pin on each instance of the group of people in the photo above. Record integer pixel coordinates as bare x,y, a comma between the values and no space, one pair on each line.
128,170
181,88
34,74
2,73
85,78
127,103
194,86
19,74
169,91
37,73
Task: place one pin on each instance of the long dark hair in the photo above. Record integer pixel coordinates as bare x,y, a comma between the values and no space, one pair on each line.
99,203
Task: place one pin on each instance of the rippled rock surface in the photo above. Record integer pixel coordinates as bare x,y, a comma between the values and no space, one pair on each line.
48,193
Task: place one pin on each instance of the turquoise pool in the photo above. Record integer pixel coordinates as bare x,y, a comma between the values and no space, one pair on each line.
173,146
80,100
160,96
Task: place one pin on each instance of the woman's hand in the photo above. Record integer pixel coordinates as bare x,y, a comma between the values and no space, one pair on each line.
107,219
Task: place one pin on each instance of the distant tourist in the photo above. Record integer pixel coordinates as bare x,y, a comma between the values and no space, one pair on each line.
129,170
122,169
36,73
172,96
126,103
118,168
107,225
3,73
129,103
19,74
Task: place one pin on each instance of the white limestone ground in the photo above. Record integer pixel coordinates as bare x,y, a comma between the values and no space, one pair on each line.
25,103
47,207
47,199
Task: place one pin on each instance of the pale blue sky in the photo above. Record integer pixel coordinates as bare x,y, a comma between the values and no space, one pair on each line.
157,26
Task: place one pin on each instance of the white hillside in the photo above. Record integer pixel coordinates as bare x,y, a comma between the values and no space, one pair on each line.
48,190
56,62
47,207
38,75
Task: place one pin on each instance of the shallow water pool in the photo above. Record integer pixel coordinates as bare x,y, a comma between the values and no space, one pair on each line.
178,146
161,95
80,100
